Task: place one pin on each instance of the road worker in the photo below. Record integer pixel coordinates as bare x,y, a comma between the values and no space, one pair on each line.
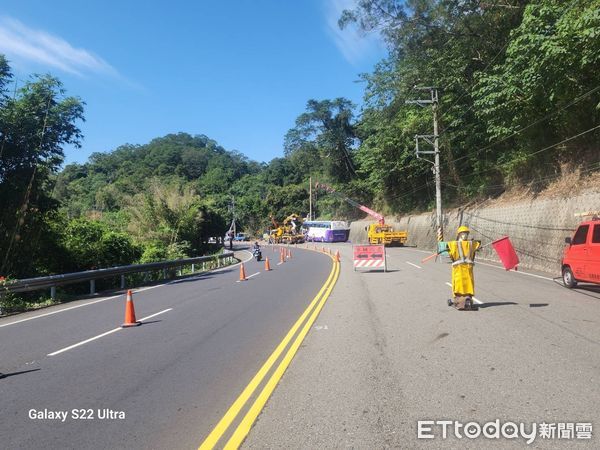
462,253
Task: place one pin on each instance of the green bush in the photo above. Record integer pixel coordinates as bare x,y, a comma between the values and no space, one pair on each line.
91,244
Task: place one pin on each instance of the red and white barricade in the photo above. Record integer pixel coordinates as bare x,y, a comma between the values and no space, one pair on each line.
369,257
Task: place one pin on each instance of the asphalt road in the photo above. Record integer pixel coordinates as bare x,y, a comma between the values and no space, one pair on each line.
387,352
173,377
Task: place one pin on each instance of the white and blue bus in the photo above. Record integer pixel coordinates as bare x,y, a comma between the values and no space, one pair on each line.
325,231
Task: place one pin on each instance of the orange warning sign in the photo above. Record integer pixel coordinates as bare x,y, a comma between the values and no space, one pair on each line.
369,256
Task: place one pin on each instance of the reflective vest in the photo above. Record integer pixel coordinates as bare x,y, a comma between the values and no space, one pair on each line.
460,255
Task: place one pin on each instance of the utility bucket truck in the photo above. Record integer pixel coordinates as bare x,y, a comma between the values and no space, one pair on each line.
377,233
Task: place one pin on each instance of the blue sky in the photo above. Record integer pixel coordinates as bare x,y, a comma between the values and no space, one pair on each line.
238,71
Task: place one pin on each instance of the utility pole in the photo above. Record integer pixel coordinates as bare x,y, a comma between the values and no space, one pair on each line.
433,140
309,198
232,208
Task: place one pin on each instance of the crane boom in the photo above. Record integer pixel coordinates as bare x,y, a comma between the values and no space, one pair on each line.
354,203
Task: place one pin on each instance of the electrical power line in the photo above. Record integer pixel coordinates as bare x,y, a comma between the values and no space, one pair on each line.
404,194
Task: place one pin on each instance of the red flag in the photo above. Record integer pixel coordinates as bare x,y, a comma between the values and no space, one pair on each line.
506,253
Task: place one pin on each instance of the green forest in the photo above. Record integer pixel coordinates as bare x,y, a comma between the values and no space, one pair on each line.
519,104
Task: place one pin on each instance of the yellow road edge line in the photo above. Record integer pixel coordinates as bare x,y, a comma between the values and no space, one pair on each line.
244,427
222,426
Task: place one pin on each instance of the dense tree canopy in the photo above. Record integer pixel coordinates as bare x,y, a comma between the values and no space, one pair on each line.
324,133
514,77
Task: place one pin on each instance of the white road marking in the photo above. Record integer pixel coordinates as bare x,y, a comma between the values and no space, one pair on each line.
61,310
516,271
84,342
474,299
414,265
155,314
279,263
248,277
103,334
500,267
422,251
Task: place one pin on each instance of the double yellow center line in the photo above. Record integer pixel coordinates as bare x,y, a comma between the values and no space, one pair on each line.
244,426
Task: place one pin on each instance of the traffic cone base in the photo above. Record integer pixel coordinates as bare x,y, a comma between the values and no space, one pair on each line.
130,313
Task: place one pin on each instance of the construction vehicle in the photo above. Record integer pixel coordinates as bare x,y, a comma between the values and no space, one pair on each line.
380,233
377,233
287,233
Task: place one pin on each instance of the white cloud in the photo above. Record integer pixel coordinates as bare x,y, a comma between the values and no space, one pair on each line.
18,41
355,46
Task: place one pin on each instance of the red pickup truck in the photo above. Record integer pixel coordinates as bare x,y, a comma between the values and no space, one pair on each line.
581,259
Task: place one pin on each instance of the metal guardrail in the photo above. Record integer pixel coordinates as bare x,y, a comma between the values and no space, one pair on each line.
52,281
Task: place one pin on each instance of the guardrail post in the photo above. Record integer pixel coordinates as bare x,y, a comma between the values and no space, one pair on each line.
164,274
203,267
192,267
122,281
179,272
92,287
53,292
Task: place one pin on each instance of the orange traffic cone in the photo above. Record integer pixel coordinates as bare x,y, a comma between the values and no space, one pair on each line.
337,256
130,313
242,273
267,265
289,254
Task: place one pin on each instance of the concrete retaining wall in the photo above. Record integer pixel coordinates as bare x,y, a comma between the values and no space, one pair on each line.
537,228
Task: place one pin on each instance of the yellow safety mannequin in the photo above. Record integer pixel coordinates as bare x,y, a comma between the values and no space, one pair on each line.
462,254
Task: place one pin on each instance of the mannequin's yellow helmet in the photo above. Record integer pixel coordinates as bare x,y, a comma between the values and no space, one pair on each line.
462,229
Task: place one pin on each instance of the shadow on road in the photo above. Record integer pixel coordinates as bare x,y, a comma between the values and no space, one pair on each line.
585,289
492,304
589,288
150,321
6,375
